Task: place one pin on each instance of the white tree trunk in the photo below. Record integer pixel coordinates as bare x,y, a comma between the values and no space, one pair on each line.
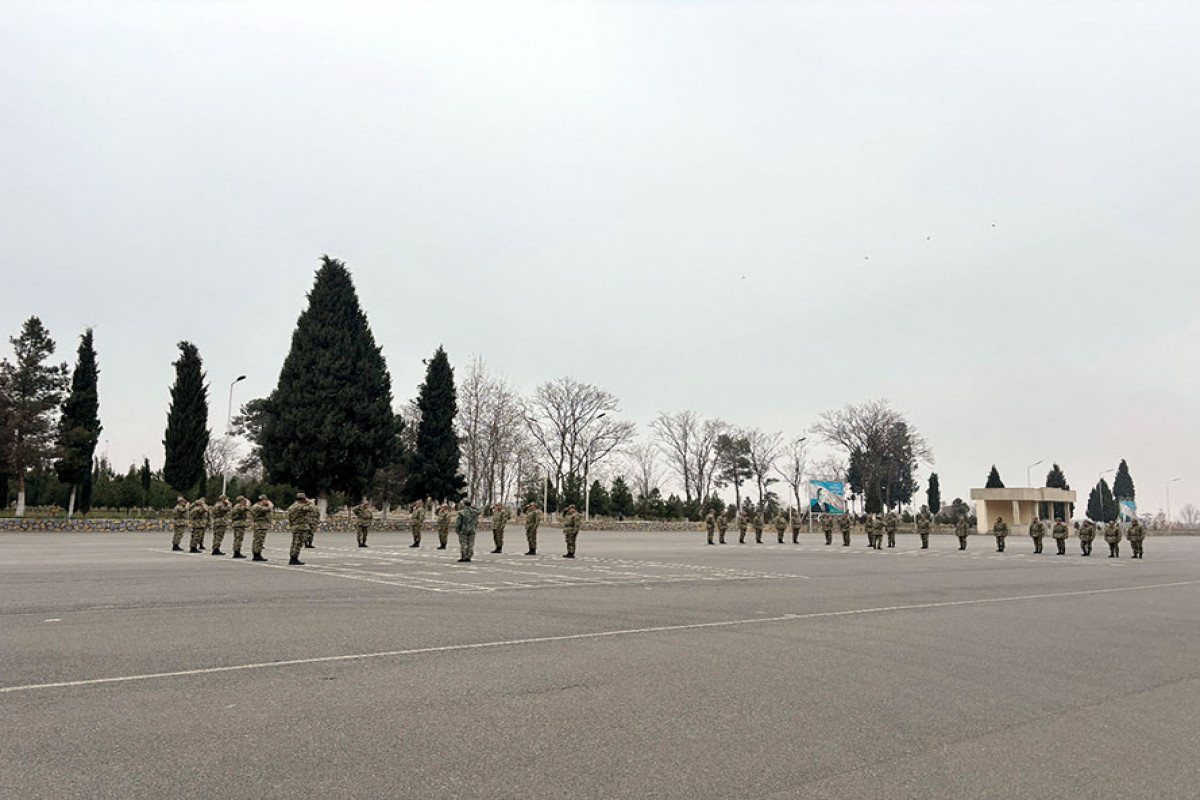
21,495
323,504
71,501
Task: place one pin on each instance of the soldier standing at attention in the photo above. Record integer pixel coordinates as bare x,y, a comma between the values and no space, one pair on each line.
179,522
418,521
889,525
780,525
260,523
314,521
827,528
465,526
962,530
710,524
1112,535
570,530
1136,535
844,525
722,526
239,518
741,523
220,522
869,528
924,523
363,514
499,520
444,519
1087,533
795,515
1059,533
1036,531
1000,531
757,522
300,522
532,518
198,519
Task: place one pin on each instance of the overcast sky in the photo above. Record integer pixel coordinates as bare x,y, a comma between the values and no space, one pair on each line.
988,213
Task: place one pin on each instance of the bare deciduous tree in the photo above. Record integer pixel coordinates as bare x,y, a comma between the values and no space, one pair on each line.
794,460
491,433
763,453
1189,515
645,471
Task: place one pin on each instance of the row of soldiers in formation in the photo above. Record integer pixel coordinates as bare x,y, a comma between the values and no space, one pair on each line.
877,526
303,517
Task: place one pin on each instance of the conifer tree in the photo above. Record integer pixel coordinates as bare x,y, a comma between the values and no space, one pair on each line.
1123,483
433,470
1101,507
993,479
1055,479
329,424
934,494
79,426
187,433
621,497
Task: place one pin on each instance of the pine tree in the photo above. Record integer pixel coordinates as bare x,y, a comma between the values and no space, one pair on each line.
32,391
187,433
934,494
1102,506
433,471
79,427
993,479
1123,483
621,497
146,477
329,424
599,501
1055,479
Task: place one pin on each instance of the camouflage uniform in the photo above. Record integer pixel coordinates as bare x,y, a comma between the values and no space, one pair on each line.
220,522
1112,535
757,522
465,525
198,519
889,525
239,519
844,525
741,524
870,526
780,526
570,526
827,528
499,520
444,520
260,523
722,526
924,524
314,521
795,528
1000,531
300,522
962,530
1087,533
1037,530
1059,532
1136,535
179,523
532,518
363,515
418,522
710,524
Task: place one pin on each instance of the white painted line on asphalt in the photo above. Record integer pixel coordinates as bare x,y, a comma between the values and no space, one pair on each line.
580,636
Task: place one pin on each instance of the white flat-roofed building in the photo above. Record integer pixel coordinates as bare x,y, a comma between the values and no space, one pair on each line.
1018,506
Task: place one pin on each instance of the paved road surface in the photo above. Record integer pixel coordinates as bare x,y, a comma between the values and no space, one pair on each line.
652,666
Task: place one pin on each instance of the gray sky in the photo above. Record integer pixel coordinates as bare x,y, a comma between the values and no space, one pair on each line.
987,212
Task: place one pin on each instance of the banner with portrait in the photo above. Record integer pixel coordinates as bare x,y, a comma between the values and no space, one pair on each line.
827,497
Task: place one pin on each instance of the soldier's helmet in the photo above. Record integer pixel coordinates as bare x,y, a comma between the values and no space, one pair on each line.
467,501
262,497
301,496
240,498
223,497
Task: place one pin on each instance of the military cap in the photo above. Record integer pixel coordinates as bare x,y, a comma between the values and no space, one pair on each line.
262,497
301,496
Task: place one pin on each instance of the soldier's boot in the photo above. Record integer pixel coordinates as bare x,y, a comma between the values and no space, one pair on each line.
415,544
193,550
257,557
238,554
176,547
295,562
962,545
742,539
722,540
781,540
710,541
531,552
216,551
758,538
496,550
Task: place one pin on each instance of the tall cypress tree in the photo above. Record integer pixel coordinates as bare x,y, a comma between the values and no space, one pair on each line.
187,433
993,479
79,426
1055,479
1101,507
433,471
329,424
934,494
1123,483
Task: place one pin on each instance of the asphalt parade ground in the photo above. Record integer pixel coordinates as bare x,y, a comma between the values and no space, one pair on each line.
652,666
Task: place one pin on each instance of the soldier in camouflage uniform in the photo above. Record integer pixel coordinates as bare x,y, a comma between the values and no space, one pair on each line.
710,524
363,515
532,518
239,518
889,524
220,522
844,525
757,522
869,529
570,526
1000,531
314,521
1059,533
962,530
827,527
1087,533
722,526
1037,531
260,523
179,522
444,520
780,525
465,526
741,524
499,520
1136,535
924,524
1112,535
198,520
300,521
418,522
795,515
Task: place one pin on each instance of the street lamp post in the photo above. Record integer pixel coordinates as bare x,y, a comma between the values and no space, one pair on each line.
1099,494
228,425
1170,522
1028,474
587,487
